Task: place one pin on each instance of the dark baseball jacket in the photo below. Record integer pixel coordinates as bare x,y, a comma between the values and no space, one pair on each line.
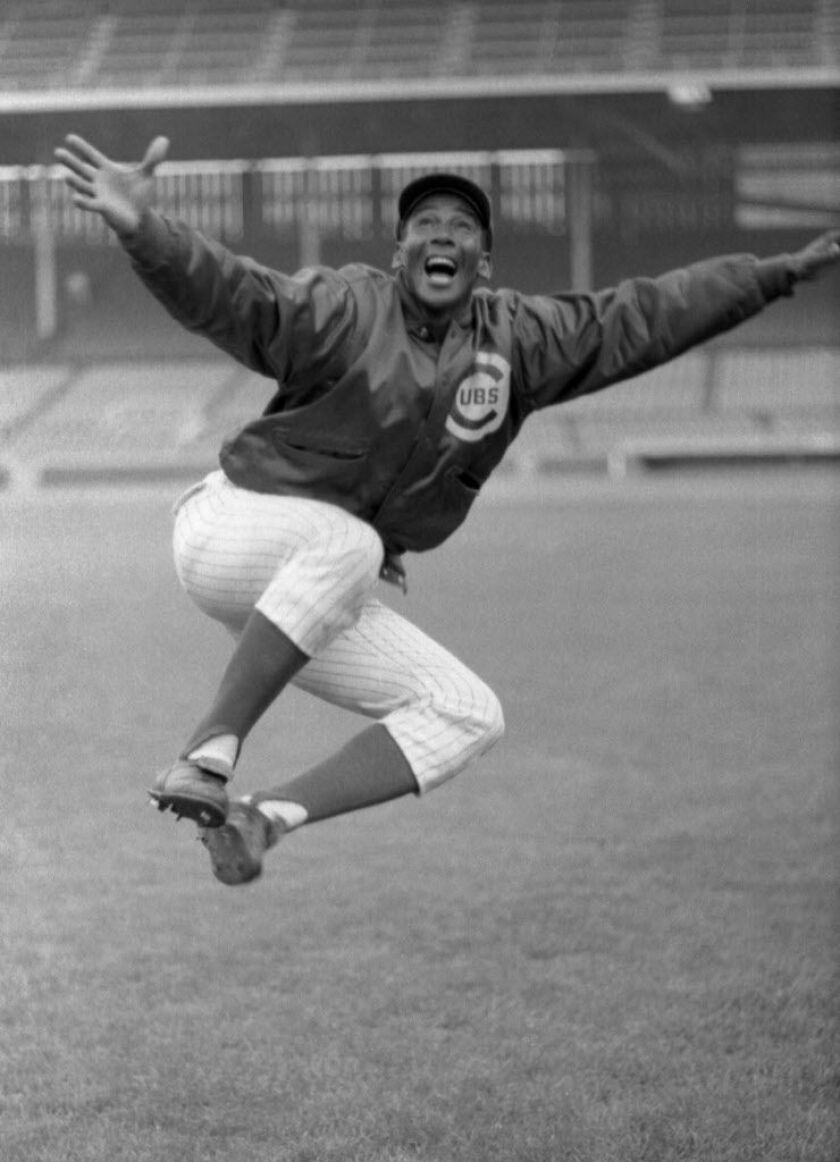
371,414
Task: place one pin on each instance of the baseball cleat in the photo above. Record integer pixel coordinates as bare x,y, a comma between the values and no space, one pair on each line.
237,847
191,792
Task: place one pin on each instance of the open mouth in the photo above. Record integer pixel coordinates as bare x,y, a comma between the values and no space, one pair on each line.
440,271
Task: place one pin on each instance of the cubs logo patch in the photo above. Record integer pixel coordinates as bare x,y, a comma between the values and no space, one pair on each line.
481,401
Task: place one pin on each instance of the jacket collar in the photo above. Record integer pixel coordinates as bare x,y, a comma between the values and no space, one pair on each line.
418,321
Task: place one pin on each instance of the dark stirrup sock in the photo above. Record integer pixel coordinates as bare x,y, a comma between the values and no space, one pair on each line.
263,662
369,769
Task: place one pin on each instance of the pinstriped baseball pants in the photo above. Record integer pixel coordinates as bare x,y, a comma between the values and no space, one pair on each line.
312,569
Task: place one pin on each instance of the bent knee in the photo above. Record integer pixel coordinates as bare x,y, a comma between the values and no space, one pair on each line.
490,718
440,737
480,719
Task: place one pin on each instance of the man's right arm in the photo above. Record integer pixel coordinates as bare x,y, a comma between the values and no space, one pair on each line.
269,321
232,301
277,324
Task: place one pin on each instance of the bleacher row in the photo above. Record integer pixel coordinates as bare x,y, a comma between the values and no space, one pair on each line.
76,44
161,421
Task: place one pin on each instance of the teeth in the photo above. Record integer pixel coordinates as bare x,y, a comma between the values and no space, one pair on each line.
440,271
443,266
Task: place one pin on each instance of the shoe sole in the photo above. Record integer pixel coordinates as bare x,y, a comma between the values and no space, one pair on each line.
229,857
184,806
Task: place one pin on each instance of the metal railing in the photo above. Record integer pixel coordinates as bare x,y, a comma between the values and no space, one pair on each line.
307,199
347,196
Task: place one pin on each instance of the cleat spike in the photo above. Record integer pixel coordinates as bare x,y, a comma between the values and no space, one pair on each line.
190,792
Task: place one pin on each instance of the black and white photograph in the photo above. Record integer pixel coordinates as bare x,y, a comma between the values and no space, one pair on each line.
420,580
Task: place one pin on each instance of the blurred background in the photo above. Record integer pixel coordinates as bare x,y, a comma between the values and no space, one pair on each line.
617,137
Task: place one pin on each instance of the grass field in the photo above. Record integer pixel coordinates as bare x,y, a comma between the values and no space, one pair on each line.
614,940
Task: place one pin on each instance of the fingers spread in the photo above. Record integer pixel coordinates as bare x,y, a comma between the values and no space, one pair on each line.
85,150
155,154
74,164
83,203
81,185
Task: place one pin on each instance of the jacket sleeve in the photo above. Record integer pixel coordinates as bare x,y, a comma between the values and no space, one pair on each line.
271,322
569,345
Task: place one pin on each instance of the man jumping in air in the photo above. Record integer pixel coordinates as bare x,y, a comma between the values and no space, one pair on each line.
397,395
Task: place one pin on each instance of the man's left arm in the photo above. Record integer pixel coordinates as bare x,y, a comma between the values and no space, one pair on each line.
589,342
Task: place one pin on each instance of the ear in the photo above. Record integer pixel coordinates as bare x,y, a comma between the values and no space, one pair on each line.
398,259
485,266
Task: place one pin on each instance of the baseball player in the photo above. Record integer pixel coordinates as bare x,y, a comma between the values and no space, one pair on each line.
397,395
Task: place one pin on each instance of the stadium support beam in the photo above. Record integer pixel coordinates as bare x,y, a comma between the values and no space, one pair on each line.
43,240
579,212
548,191
404,89
309,231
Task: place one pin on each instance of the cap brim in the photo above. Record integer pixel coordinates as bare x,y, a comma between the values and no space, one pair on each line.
446,183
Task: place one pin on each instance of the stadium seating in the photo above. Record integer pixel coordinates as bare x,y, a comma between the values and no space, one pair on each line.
780,386
42,44
713,397
577,36
704,36
72,44
119,419
25,391
147,410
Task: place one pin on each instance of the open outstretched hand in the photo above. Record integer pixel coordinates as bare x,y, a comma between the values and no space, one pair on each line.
817,256
120,193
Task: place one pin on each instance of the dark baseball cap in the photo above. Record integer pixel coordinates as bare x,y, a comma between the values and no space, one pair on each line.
446,183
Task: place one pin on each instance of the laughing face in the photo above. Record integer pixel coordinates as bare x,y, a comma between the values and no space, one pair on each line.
442,252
